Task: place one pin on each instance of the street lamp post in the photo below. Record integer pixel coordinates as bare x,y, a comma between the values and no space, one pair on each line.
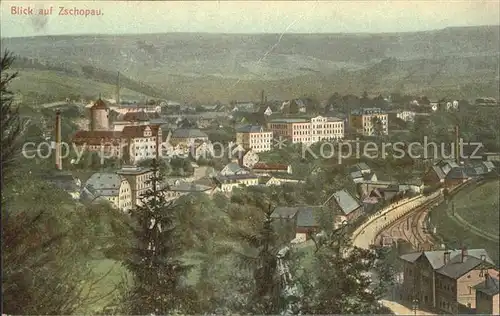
415,306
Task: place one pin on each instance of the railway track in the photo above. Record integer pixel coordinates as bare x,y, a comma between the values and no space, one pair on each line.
410,228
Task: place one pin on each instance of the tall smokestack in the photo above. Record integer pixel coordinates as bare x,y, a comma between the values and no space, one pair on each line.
262,97
118,89
58,140
457,145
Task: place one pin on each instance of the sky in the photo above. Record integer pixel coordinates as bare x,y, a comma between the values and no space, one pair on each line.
342,16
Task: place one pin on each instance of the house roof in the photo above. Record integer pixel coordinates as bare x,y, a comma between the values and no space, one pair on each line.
270,166
439,172
284,212
133,170
307,216
136,116
488,164
363,166
457,173
290,120
490,286
236,177
368,176
138,131
436,258
189,187
233,167
346,202
99,105
283,175
458,267
250,129
104,184
188,133
96,137
356,175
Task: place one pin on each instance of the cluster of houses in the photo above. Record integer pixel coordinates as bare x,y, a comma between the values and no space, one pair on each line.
452,281
449,173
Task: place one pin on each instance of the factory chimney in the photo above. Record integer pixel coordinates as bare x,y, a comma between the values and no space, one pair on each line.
262,97
118,89
457,144
58,154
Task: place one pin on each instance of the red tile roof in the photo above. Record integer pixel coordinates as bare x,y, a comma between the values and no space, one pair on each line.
96,137
138,131
99,104
135,117
270,166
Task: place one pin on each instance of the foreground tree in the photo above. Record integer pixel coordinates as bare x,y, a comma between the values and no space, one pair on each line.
11,122
260,248
342,278
154,262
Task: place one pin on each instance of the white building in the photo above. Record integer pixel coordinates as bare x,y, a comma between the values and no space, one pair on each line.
407,116
138,179
306,131
254,138
144,141
110,187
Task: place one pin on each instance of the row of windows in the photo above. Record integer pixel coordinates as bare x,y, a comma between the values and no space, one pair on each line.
259,141
262,135
257,147
328,132
336,131
144,147
141,140
331,125
145,154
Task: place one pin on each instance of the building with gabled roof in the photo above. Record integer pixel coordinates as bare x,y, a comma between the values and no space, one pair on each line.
488,296
445,279
187,136
263,168
108,186
279,178
254,137
348,207
308,130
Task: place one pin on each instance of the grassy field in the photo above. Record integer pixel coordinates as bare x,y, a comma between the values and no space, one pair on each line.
479,209
60,85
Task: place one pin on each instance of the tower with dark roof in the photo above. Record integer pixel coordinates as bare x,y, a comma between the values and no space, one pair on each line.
99,120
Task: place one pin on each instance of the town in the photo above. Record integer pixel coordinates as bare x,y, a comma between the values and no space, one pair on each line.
142,132
196,158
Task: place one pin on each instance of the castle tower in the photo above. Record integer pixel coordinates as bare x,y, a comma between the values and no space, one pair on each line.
99,120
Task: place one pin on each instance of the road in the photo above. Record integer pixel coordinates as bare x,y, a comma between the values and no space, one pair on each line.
365,235
52,104
399,309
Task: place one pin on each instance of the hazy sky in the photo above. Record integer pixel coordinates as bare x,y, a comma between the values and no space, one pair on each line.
248,16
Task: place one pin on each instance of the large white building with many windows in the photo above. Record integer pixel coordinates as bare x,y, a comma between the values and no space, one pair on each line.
369,121
308,131
255,138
